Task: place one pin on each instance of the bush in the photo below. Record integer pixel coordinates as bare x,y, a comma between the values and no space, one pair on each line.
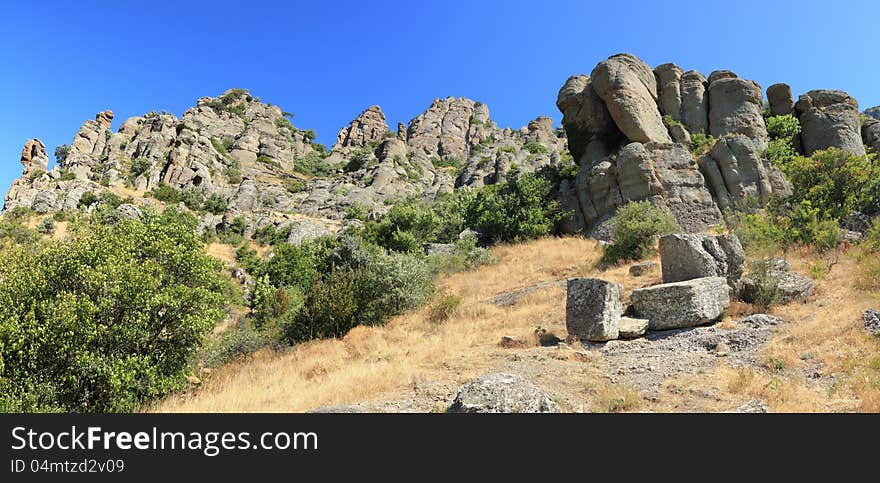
765,292
405,227
535,148
215,204
61,152
67,176
523,208
166,194
837,181
783,127
443,308
105,320
634,229
241,340
701,143
46,227
313,164
138,167
274,309
356,211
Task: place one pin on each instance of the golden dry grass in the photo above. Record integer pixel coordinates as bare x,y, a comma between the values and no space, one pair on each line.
373,362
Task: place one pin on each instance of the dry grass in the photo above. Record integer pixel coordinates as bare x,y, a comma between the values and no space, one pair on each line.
370,363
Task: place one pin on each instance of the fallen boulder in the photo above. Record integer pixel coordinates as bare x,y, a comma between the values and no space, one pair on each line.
592,309
872,321
689,256
630,327
789,286
682,304
642,268
502,393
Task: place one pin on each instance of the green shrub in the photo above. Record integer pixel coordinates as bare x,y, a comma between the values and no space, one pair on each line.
701,143
46,227
105,320
61,152
783,127
138,167
356,211
443,308
268,160
67,176
293,185
313,164
535,148
765,292
523,208
193,198
223,146
215,204
274,309
240,340
233,175
635,229
166,193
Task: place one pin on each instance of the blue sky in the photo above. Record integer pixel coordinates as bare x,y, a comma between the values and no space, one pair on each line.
327,61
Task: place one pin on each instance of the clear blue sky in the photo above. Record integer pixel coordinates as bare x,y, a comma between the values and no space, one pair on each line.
327,61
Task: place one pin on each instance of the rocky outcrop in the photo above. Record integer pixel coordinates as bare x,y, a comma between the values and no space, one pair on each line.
689,256
34,157
629,90
735,107
737,171
669,89
593,308
829,119
590,130
695,102
780,99
871,318
369,127
502,393
450,128
682,304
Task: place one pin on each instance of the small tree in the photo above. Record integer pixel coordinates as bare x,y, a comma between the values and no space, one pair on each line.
634,229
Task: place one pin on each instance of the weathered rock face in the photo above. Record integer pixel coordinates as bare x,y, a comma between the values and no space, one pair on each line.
593,308
450,128
590,130
871,134
368,127
669,89
735,107
736,171
34,157
780,99
629,90
829,119
682,304
695,102
502,393
689,256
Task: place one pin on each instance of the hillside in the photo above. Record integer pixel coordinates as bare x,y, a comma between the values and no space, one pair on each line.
819,360
224,261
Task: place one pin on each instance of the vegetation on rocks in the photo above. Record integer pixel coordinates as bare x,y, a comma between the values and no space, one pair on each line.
634,231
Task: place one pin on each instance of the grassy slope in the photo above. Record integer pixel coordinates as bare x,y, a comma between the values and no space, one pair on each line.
380,364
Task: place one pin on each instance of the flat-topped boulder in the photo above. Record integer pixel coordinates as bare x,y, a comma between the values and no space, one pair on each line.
682,304
592,309
689,256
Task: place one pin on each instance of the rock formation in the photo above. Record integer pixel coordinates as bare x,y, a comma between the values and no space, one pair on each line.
829,119
368,127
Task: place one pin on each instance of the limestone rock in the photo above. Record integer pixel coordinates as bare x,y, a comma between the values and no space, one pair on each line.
593,308
871,317
502,393
829,119
369,127
642,268
790,286
737,171
780,99
735,107
690,256
629,89
590,130
871,134
669,89
34,157
682,304
630,328
695,102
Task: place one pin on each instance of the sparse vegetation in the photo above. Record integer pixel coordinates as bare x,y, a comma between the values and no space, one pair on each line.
635,229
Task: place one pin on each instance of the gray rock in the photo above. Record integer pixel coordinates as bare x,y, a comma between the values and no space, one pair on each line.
780,99
642,268
871,134
695,102
439,248
790,286
857,222
502,393
679,134
630,327
829,119
682,304
593,308
743,172
760,320
591,132
735,107
34,157
368,127
307,230
755,406
669,88
871,318
130,211
629,89
336,410
690,256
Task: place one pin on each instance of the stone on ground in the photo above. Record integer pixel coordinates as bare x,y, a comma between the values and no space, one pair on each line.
502,393
593,308
682,304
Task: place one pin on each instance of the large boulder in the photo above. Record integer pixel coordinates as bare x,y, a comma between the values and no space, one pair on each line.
34,157
743,171
871,134
871,317
829,119
590,130
502,393
789,286
629,89
735,107
690,256
593,308
682,304
780,98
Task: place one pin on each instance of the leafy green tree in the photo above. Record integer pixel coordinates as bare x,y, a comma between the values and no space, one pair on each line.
106,319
